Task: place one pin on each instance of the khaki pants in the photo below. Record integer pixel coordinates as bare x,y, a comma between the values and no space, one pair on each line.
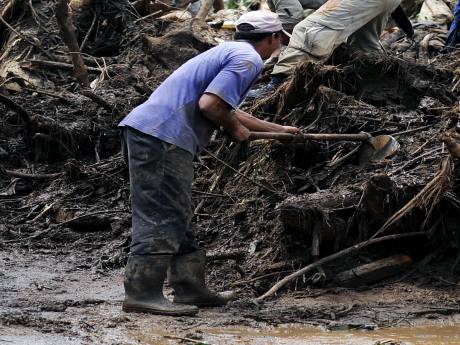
291,12
358,22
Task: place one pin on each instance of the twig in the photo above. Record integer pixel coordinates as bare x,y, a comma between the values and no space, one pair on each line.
45,63
89,32
17,108
342,159
335,256
411,130
414,160
241,174
148,16
45,210
48,93
97,99
20,34
13,173
248,281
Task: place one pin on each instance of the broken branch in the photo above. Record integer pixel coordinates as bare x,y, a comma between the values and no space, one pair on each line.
67,29
335,256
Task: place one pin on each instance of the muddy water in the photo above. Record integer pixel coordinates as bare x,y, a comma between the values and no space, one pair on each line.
295,335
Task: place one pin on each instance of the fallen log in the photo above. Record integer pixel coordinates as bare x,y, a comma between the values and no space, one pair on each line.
374,271
338,255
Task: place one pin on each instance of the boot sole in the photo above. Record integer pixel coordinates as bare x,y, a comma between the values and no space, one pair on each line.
127,309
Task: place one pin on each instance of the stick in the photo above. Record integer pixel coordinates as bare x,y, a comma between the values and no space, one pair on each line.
88,33
412,130
97,99
148,16
62,65
338,255
13,173
401,168
48,93
67,29
25,116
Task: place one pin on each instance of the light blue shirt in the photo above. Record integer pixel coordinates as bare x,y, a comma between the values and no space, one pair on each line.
171,113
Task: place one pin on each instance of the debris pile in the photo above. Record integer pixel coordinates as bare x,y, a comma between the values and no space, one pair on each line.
265,208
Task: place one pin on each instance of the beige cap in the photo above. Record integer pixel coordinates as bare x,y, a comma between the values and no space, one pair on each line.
262,21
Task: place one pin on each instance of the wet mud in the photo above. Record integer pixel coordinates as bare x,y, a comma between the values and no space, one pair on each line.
263,210
53,299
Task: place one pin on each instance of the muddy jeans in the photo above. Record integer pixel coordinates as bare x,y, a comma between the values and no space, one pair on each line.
160,176
358,22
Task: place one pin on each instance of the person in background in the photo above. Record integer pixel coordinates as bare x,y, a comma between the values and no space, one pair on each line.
453,37
356,22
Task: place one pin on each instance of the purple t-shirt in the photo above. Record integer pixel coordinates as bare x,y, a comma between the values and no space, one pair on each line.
171,113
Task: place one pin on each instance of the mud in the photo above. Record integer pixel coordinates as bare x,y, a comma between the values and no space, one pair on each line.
64,194
51,299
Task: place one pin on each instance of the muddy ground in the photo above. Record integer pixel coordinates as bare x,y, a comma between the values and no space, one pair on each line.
50,298
64,193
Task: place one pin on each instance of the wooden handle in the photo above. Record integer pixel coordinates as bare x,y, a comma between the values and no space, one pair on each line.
310,136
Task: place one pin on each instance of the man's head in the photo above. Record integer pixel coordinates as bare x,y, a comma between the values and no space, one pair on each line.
263,29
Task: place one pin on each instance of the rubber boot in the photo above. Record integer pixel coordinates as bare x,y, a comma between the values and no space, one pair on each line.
270,87
187,278
144,278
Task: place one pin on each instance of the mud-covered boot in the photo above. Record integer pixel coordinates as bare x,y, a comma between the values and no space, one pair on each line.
144,278
187,278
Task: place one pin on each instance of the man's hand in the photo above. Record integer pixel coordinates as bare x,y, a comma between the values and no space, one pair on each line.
241,134
291,129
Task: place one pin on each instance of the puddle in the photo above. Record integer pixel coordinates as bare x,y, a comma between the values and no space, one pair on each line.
295,335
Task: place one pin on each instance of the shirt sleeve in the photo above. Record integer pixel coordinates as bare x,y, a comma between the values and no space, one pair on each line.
233,82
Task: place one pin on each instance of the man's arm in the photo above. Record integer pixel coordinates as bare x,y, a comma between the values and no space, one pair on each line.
220,113
237,123
256,125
